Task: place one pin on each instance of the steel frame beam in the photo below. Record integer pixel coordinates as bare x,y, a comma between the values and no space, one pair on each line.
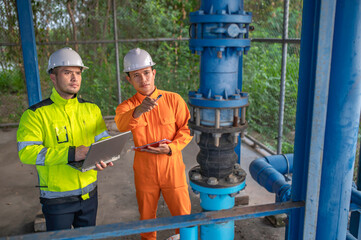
30,56
136,227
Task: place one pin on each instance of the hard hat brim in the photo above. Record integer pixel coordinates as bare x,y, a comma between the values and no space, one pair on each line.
82,67
137,68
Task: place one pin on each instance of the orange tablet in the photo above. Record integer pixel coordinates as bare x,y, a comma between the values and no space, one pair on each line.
153,144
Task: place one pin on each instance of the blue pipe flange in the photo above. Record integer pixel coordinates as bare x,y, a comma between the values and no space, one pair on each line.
221,30
242,43
233,101
218,191
200,17
222,185
214,199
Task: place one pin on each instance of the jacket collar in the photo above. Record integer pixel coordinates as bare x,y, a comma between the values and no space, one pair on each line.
56,98
141,97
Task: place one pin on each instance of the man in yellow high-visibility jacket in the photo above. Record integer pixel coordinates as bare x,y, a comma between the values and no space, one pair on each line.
59,130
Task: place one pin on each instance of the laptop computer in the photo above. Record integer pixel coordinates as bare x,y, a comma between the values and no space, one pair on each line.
107,150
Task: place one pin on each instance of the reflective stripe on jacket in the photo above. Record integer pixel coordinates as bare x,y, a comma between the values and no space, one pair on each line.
48,134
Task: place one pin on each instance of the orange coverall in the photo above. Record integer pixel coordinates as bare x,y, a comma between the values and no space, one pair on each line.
155,173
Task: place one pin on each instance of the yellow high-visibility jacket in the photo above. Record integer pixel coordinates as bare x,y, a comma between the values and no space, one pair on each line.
48,134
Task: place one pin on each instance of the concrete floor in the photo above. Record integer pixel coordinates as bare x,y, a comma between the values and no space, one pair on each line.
19,201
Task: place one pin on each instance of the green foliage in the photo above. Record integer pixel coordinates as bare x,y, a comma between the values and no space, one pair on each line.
262,76
98,88
262,71
177,69
287,147
268,18
11,81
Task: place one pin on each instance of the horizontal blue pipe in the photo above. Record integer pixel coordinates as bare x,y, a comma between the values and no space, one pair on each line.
356,197
349,236
354,208
282,163
136,227
268,172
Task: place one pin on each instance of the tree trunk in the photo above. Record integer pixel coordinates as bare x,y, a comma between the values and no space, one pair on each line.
72,18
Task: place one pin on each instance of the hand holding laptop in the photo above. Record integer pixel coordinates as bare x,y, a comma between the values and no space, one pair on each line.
100,154
102,165
82,151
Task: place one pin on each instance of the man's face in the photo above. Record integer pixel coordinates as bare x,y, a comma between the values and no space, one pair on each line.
143,80
67,81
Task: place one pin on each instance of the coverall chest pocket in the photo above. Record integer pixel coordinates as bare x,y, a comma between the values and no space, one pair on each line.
166,115
140,133
168,127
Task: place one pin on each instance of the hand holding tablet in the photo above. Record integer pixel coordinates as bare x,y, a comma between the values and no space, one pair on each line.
153,144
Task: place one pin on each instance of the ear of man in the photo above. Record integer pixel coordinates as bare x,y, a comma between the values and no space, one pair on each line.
52,77
128,78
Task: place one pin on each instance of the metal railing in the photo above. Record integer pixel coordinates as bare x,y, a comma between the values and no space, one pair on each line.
136,227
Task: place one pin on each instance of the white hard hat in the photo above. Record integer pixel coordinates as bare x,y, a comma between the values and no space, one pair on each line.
65,57
137,59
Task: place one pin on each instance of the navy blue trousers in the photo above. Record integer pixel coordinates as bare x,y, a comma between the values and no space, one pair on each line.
80,213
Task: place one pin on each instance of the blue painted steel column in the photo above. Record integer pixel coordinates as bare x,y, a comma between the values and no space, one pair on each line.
319,110
342,124
307,69
30,57
219,34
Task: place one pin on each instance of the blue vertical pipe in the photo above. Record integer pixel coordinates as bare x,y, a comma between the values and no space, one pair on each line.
189,233
309,37
30,57
342,122
219,75
219,34
238,148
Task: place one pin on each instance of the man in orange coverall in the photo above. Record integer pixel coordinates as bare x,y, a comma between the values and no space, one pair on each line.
151,118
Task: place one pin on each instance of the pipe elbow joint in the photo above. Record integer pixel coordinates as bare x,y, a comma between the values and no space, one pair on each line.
268,176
